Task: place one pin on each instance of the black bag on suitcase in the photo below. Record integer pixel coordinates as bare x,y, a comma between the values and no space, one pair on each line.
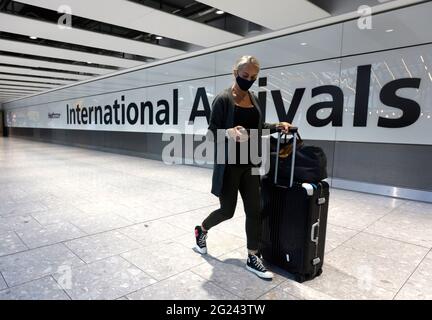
310,161
294,223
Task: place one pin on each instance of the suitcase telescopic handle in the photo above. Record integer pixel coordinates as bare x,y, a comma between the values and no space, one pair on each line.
294,131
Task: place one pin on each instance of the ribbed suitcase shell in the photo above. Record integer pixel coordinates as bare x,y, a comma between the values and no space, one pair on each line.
292,222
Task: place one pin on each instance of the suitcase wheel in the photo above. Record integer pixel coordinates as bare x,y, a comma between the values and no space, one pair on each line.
300,278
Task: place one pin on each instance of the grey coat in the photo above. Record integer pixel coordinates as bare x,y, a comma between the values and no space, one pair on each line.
222,117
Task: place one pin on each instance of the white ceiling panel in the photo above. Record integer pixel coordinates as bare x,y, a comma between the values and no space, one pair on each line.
6,95
23,88
5,88
272,14
144,19
26,62
51,52
17,92
26,93
39,80
46,30
7,98
33,72
11,94
24,84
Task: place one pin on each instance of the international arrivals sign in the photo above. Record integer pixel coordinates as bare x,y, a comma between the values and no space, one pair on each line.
391,114
162,112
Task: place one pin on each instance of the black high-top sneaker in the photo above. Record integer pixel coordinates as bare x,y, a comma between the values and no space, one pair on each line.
200,237
255,265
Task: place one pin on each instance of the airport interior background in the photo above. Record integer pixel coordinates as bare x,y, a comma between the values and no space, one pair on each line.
91,208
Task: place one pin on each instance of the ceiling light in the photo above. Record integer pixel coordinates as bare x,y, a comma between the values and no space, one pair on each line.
220,12
303,43
389,30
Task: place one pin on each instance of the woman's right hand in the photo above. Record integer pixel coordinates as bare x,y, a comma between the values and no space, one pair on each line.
238,133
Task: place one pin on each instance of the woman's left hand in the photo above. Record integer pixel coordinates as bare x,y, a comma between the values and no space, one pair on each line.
284,126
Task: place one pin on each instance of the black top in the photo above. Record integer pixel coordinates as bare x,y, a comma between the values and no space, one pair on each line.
248,118
222,117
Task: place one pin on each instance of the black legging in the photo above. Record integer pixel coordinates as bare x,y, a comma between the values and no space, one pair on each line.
239,178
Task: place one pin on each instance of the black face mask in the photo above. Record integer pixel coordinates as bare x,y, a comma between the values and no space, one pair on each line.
244,84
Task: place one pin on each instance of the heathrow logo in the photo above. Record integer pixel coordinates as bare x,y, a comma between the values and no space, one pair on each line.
53,115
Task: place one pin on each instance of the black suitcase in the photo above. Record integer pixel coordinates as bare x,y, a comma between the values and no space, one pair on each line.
294,221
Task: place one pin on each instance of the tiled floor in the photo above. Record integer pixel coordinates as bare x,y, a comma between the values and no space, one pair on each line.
84,224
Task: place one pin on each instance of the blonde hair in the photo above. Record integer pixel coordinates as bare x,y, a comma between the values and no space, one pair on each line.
242,61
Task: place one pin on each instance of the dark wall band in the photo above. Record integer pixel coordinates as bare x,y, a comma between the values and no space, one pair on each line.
397,165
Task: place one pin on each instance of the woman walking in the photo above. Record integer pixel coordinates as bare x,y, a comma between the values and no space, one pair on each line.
236,110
